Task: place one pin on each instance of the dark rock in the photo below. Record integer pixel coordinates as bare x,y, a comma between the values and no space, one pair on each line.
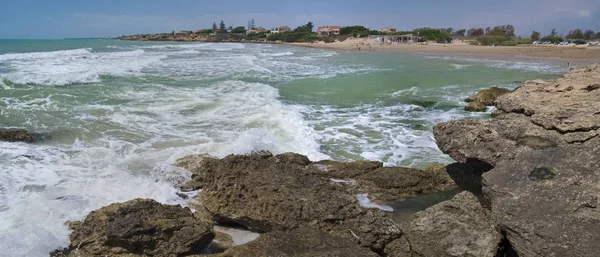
476,107
267,193
192,164
458,227
140,227
302,242
16,135
485,97
489,95
468,175
388,183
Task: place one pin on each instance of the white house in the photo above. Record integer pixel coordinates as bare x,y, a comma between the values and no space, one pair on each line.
281,29
328,30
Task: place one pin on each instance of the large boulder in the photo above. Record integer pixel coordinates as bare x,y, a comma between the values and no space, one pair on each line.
16,135
543,149
459,227
267,193
301,242
483,98
547,201
140,227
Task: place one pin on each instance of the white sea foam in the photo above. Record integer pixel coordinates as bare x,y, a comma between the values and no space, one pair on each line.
74,66
114,153
364,201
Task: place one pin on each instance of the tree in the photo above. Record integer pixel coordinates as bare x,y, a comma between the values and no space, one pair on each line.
309,26
588,34
575,34
251,24
460,32
222,27
535,35
352,30
449,30
238,30
597,36
487,30
173,33
214,27
553,33
475,32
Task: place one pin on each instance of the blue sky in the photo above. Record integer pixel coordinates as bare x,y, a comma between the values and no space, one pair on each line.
107,18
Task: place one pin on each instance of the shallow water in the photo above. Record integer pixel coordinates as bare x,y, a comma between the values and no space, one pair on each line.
116,115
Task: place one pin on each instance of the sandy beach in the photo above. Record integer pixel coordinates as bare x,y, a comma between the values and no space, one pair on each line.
576,55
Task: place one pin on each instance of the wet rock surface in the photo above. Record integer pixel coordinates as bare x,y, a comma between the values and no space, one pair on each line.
140,227
543,147
305,242
267,193
458,227
16,135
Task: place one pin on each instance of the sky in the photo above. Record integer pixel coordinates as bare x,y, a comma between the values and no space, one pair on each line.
24,19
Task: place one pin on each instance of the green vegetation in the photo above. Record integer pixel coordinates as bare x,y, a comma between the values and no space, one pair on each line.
535,35
502,35
434,34
300,34
222,28
553,39
239,30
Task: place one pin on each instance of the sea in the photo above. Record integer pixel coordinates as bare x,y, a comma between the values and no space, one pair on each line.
112,117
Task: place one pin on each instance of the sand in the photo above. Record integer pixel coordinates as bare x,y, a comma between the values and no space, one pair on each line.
576,55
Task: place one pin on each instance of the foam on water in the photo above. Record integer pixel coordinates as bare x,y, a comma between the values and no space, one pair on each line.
132,153
363,200
516,65
74,66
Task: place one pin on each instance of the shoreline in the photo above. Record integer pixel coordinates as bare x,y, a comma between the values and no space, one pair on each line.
575,55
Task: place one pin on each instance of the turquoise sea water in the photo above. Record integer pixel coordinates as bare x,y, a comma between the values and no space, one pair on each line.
114,116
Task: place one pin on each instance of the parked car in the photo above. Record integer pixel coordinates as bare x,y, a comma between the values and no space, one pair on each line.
546,43
594,43
579,42
564,43
536,42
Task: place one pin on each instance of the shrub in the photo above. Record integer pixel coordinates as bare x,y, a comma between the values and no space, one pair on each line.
490,40
508,43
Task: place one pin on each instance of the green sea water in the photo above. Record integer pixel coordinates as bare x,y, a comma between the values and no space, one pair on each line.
114,116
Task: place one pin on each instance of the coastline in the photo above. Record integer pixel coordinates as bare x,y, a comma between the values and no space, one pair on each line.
575,55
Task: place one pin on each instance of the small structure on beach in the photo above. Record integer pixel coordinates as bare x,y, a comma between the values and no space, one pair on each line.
256,30
387,30
400,39
281,29
328,30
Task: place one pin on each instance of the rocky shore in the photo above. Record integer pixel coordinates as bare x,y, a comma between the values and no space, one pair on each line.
530,178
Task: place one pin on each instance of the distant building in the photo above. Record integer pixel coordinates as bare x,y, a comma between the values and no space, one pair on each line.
398,39
183,33
388,30
256,30
328,30
281,29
